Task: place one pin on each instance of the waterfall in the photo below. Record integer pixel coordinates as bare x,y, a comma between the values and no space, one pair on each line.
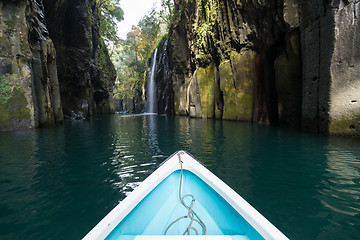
151,87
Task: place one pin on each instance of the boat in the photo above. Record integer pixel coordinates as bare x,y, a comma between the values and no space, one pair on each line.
182,199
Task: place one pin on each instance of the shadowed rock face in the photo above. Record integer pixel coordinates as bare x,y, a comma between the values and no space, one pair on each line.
28,76
40,85
164,89
86,74
292,63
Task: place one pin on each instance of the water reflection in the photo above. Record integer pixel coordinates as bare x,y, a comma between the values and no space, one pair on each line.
150,123
57,183
339,193
17,193
135,142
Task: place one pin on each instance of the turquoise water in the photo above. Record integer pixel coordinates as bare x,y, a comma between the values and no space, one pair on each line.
161,207
57,183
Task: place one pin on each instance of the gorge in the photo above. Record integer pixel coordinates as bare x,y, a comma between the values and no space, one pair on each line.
288,63
237,83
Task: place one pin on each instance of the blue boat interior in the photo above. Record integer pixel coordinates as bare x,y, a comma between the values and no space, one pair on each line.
162,206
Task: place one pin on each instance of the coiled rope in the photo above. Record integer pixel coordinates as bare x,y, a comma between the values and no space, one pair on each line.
191,213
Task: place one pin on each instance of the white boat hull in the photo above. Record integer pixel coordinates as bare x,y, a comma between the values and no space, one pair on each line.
107,225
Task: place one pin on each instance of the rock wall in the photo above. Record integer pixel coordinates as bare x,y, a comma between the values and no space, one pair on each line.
293,63
164,89
344,112
40,85
28,76
86,74
227,71
330,65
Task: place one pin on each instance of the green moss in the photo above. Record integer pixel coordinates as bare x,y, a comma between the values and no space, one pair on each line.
13,104
346,125
10,26
228,89
244,106
208,12
103,58
15,109
226,79
236,83
5,89
165,36
206,80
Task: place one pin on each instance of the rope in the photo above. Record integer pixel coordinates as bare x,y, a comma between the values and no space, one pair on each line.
191,213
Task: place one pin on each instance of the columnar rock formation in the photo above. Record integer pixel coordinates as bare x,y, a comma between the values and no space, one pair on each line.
28,76
38,85
293,63
86,74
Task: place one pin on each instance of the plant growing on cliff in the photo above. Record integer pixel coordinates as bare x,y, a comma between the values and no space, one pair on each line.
110,12
149,27
10,27
207,14
166,14
131,56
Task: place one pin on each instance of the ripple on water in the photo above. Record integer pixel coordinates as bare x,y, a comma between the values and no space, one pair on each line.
63,180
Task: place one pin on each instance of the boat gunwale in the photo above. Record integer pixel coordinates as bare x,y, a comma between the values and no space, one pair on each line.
190,163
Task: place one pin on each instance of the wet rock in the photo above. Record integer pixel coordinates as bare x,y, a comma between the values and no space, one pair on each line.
29,84
86,74
292,63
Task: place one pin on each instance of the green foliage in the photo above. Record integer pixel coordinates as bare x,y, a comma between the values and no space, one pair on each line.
157,45
130,56
110,13
208,11
103,57
166,14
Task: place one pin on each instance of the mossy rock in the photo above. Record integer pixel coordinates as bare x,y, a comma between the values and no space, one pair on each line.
236,83
348,125
229,91
14,113
243,67
206,80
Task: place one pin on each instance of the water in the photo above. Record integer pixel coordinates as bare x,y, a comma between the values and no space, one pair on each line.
151,86
57,183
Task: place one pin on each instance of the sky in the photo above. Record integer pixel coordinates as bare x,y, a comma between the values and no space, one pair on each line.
134,10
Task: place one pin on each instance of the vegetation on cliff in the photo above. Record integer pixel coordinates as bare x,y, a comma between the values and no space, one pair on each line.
110,14
267,62
131,56
80,31
273,62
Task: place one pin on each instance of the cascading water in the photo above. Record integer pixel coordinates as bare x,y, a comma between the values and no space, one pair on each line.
151,87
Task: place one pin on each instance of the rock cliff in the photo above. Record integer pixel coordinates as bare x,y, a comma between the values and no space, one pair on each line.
293,63
40,85
164,87
28,76
86,74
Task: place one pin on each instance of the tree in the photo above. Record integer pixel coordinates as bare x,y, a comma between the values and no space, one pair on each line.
130,56
166,13
110,12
